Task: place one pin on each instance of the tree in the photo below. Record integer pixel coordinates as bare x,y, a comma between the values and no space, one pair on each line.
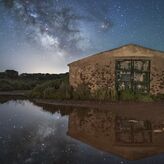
11,74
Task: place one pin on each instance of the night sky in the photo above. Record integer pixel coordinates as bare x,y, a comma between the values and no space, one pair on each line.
46,35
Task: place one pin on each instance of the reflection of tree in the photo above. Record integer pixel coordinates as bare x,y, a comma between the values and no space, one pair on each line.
4,99
63,110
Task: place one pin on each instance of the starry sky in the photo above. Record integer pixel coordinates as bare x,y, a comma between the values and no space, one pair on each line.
45,35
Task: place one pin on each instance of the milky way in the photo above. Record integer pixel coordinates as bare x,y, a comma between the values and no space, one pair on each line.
44,36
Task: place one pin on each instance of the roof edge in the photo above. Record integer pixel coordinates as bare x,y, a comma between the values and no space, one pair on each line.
117,48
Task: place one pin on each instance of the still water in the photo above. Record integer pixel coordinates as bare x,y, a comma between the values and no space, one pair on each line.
36,134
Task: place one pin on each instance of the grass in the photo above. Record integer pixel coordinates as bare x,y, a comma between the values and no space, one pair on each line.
10,80
144,98
10,85
60,89
128,95
82,92
54,89
104,94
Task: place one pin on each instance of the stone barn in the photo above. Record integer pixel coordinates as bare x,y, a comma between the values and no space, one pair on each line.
131,67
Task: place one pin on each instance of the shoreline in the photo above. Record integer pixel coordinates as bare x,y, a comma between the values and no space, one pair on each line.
133,110
85,103
13,93
99,104
137,110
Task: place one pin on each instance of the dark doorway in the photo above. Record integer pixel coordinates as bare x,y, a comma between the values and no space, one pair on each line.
133,75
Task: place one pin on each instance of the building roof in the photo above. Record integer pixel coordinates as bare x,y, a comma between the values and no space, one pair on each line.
128,46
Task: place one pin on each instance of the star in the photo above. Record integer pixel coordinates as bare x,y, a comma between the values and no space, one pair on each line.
68,30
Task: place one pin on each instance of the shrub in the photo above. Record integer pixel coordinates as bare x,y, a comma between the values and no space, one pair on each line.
144,98
114,95
9,85
82,92
127,95
104,94
57,89
49,93
158,97
6,85
37,92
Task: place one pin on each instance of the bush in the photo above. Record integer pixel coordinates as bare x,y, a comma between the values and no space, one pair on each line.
38,91
104,94
20,85
50,93
57,89
158,97
127,95
144,98
6,85
11,81
82,92
10,85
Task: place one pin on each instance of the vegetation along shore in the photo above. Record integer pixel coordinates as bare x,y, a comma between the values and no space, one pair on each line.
56,87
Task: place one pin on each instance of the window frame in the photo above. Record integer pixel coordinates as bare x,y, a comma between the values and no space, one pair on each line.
132,71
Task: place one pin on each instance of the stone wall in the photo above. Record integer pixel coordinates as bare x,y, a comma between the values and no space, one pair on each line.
98,71
94,75
157,75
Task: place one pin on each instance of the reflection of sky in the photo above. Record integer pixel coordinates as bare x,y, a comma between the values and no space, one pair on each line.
30,135
43,36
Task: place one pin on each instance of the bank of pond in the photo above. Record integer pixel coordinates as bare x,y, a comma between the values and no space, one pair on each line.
35,132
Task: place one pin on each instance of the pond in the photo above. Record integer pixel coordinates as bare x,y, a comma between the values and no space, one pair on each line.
31,133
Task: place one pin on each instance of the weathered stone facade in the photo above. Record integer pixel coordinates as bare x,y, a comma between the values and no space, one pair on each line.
99,70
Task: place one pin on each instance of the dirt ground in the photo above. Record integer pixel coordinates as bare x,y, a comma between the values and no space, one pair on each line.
140,110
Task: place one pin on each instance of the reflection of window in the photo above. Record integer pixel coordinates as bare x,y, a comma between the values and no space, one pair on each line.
133,74
129,131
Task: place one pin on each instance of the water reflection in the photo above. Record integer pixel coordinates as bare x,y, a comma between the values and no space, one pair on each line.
125,136
56,134
133,132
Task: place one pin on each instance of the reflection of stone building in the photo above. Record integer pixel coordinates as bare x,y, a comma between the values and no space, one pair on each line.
129,67
123,136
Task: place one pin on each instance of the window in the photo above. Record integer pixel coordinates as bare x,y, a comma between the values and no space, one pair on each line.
133,75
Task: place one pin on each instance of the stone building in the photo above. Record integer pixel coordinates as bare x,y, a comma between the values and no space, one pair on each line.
128,67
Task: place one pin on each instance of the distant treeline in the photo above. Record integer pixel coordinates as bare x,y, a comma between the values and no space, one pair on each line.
12,74
9,74
11,80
